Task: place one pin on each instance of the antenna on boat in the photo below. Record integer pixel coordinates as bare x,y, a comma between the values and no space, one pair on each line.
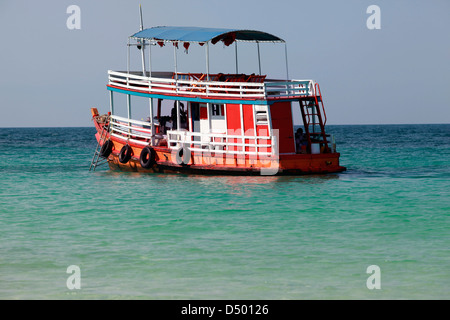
142,21
141,46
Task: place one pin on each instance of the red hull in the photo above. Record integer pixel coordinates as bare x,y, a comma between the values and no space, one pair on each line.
206,163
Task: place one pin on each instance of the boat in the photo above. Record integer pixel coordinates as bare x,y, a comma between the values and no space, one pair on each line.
218,123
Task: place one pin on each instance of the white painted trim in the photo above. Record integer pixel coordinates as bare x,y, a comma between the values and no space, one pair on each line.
254,124
129,106
241,116
111,102
152,124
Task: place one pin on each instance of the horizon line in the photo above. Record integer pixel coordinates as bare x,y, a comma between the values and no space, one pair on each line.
330,124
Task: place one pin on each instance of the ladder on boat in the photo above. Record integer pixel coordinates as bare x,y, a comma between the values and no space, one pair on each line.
98,159
314,120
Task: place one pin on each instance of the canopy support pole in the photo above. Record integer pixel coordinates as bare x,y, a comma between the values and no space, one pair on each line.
208,111
207,61
143,58
236,55
178,115
152,124
111,102
129,113
128,56
129,106
150,58
175,60
286,58
259,58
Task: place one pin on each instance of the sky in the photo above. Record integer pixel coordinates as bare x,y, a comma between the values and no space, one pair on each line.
50,75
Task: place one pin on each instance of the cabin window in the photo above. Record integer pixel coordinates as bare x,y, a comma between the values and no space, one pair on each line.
195,109
261,115
217,110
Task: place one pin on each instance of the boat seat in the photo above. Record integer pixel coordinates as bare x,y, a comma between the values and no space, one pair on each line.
199,78
236,78
257,79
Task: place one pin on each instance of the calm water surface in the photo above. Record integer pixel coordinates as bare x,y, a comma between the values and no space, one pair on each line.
137,236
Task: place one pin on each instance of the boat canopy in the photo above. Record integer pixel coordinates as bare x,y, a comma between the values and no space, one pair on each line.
203,35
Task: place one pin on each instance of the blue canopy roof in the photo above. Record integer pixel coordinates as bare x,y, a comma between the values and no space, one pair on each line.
197,34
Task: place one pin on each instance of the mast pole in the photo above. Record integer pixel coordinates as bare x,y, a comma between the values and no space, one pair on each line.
142,20
150,100
143,43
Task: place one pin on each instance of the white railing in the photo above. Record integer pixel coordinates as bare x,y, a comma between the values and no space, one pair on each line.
293,88
222,143
131,130
191,86
139,132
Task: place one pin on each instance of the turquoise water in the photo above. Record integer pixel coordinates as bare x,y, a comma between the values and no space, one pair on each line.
137,236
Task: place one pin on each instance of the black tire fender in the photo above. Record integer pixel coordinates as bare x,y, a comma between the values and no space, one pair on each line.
106,149
147,157
125,154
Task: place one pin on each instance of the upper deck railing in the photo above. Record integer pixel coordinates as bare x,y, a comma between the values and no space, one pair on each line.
214,85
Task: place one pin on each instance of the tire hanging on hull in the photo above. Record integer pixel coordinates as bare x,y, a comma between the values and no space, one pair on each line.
106,149
183,156
147,157
125,154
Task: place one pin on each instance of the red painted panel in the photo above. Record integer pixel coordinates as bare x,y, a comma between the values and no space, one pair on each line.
233,118
203,113
234,123
281,114
248,119
249,129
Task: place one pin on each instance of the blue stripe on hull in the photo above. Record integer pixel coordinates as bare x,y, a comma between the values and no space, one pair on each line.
191,99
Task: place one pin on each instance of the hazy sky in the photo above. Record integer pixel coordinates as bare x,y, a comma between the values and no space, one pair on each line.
52,76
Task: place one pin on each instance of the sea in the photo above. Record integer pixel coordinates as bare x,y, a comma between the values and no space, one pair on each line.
380,230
